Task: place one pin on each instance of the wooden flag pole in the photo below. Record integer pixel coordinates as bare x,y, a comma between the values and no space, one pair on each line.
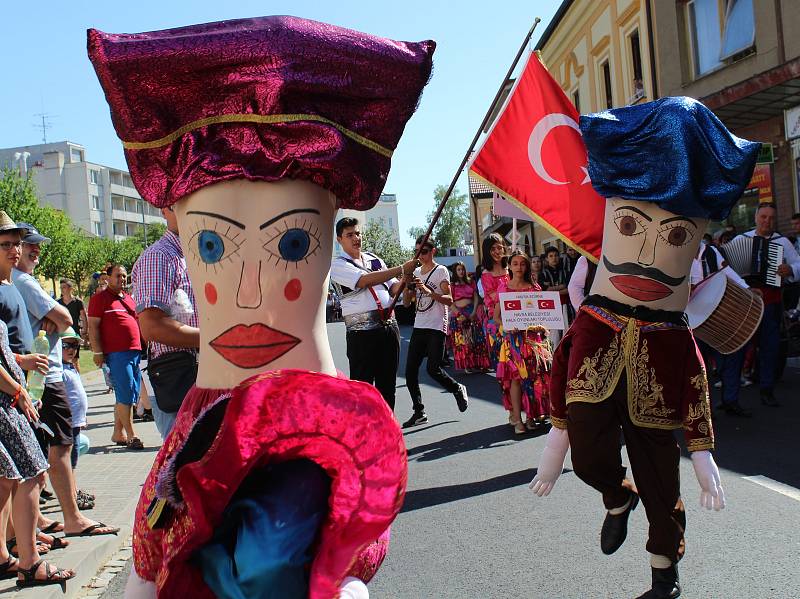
467,154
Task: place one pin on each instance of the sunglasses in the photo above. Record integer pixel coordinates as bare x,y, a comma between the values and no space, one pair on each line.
7,245
74,346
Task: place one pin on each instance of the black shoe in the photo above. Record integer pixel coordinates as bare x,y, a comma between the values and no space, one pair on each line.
148,416
665,584
768,399
461,398
46,494
734,409
416,419
615,528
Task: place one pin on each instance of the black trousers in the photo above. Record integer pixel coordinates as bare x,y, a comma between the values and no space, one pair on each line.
374,356
426,343
594,437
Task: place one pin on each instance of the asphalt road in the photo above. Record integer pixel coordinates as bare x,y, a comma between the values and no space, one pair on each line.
470,528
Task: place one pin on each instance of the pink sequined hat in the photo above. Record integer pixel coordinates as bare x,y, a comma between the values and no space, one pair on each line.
263,99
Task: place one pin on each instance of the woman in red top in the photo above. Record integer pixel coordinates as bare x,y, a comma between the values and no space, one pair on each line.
494,261
465,335
525,357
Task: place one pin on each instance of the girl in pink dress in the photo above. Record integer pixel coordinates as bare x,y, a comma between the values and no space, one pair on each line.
465,335
525,357
494,262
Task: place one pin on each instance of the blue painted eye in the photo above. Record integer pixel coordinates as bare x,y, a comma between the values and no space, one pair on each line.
293,245
210,246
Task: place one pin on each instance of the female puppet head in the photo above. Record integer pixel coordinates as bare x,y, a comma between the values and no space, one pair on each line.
256,151
666,168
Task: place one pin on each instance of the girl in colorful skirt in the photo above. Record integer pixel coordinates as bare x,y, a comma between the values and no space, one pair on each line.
494,261
465,335
525,358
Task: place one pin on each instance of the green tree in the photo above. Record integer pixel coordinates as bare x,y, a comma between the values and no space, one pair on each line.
376,239
453,223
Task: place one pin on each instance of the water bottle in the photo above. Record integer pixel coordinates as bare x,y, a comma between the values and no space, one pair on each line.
36,379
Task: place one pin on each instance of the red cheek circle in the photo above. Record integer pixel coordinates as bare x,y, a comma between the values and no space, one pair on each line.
211,293
293,290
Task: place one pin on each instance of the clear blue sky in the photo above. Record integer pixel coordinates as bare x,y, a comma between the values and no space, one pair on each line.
46,70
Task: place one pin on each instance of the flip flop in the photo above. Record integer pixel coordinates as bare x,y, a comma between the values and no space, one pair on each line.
53,527
90,531
135,443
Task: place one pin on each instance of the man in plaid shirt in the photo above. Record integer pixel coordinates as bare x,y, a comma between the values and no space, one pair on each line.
165,305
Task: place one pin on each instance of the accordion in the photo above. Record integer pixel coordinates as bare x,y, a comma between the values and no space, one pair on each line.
754,258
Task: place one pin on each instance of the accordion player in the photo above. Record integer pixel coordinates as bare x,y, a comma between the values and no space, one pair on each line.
756,259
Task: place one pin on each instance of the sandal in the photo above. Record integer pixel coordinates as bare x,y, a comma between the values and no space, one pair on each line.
5,569
83,493
54,526
94,531
84,503
53,576
135,443
11,545
54,542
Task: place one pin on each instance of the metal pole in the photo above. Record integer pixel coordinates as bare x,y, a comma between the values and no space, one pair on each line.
484,122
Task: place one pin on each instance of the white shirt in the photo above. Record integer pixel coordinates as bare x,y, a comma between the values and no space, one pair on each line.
697,268
430,313
346,271
577,283
790,255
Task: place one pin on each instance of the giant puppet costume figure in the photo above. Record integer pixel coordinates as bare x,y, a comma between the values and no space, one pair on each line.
255,131
630,361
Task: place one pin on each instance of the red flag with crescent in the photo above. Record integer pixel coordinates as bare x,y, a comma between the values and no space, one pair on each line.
534,156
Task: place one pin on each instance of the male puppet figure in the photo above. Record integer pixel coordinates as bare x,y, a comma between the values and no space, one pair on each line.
630,361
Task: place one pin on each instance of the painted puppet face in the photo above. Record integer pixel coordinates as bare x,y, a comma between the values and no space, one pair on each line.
647,254
258,256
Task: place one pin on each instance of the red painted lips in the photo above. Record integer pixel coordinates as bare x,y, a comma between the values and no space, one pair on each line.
640,288
253,346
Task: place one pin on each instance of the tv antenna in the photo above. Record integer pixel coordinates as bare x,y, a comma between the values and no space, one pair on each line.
45,124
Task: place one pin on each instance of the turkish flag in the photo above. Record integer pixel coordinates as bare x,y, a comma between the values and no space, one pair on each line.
534,157
512,305
547,305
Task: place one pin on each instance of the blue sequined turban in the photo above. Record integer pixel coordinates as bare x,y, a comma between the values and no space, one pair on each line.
674,152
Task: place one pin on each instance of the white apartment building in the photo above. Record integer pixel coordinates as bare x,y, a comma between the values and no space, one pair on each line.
99,199
385,212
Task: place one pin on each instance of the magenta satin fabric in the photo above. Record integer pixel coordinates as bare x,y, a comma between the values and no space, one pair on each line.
344,426
158,82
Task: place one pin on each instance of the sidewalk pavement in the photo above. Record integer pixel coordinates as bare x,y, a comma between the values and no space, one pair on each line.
115,475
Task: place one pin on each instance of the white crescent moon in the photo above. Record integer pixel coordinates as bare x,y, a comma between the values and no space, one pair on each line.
543,127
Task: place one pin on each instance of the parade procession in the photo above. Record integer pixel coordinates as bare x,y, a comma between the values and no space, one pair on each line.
609,317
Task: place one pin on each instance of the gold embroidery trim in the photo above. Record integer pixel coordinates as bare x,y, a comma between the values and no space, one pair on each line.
646,404
599,380
700,444
259,119
558,422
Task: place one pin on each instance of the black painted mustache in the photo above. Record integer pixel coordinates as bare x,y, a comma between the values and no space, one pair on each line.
631,268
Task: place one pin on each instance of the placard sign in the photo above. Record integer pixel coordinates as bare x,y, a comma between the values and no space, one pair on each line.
523,309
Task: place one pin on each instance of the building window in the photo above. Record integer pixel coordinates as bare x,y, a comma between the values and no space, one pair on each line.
605,68
715,38
130,205
75,155
94,176
119,228
97,203
117,203
126,180
576,100
116,177
636,67
97,228
739,31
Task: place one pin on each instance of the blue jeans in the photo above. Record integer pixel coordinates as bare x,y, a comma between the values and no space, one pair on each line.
164,420
768,346
730,371
125,375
